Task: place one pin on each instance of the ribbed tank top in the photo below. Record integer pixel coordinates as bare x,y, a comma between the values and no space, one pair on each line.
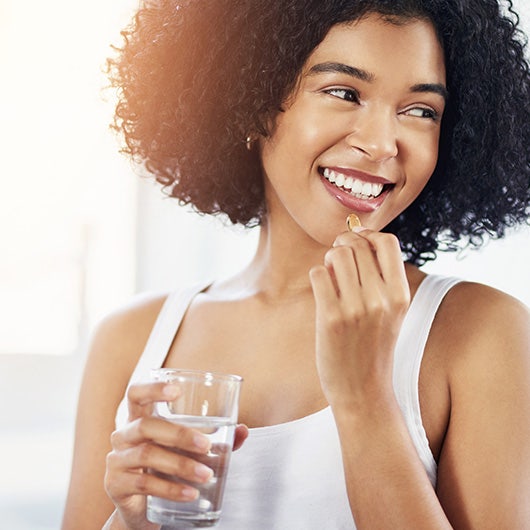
290,476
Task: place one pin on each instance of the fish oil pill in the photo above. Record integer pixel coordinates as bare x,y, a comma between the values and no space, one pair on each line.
352,220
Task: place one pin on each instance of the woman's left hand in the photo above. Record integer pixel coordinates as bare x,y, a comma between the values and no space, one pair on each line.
362,296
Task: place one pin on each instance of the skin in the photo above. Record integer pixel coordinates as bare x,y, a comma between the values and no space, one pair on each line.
330,305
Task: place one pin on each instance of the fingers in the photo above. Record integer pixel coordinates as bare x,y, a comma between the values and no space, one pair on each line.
173,452
165,461
142,397
323,288
120,486
162,432
241,435
375,249
366,270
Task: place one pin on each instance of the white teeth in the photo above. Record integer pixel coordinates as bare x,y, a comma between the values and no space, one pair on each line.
362,190
377,189
367,188
357,186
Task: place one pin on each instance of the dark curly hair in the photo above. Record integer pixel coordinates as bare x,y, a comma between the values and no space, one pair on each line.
195,77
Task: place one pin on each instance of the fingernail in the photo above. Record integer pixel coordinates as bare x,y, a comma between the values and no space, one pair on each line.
358,229
203,472
189,493
171,391
201,442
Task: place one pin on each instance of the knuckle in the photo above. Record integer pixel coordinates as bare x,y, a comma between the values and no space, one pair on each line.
110,460
145,452
108,484
388,239
116,438
339,252
376,306
179,433
141,426
133,391
141,482
360,242
401,301
110,463
343,239
335,322
317,271
352,315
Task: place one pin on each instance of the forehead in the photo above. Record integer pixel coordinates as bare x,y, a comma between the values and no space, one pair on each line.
379,46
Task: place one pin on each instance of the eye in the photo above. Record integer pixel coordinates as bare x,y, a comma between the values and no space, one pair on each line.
347,94
422,112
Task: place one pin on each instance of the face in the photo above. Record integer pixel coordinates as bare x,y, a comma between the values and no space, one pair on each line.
360,133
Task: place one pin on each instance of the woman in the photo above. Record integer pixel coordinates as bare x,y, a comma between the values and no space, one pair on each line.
376,396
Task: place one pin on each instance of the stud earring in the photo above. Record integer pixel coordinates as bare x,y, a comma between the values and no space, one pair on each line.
248,142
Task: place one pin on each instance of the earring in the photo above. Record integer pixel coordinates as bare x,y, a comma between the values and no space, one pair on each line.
248,142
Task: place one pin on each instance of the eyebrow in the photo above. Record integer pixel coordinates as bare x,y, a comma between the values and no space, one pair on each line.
363,75
342,68
436,88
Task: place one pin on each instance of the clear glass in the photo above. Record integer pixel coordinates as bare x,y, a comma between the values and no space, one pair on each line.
208,403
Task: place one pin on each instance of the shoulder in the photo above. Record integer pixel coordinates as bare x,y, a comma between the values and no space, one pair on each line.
120,338
129,326
474,314
485,338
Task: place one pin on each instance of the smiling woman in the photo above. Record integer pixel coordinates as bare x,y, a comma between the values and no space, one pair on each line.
354,117
400,388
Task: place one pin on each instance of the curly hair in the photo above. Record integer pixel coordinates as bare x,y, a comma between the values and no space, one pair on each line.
195,77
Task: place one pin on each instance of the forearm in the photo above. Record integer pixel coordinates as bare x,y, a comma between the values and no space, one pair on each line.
386,481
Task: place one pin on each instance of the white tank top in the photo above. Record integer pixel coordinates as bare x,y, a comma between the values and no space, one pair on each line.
290,476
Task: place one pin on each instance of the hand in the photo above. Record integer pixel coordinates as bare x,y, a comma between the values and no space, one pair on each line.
362,296
145,442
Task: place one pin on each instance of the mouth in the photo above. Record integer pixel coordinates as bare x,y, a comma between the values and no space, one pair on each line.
358,188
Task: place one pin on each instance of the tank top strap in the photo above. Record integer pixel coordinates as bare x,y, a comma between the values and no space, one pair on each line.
161,337
409,354
165,328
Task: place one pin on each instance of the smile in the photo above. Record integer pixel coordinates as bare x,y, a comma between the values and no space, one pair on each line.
358,188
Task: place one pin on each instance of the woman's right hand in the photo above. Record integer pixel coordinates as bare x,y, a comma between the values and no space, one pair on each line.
145,442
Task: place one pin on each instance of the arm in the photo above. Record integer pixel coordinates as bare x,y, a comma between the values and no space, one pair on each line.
484,468
114,351
108,467
360,298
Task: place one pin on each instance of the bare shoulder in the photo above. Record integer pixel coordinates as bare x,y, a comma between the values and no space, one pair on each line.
119,339
131,324
483,335
478,321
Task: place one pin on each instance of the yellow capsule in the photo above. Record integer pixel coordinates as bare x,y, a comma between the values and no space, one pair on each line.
352,220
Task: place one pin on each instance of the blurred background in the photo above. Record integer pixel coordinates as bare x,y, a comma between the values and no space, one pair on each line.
80,234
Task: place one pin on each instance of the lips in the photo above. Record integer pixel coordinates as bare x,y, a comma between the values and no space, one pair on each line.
359,188
355,190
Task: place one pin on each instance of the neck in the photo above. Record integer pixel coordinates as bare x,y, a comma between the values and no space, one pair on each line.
280,267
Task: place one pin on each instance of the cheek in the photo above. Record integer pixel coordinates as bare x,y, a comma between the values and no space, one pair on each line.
285,158
422,157
299,137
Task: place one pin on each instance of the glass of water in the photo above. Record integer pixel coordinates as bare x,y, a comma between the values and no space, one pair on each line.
208,402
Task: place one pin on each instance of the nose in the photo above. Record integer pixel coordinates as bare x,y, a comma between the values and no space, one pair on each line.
374,133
